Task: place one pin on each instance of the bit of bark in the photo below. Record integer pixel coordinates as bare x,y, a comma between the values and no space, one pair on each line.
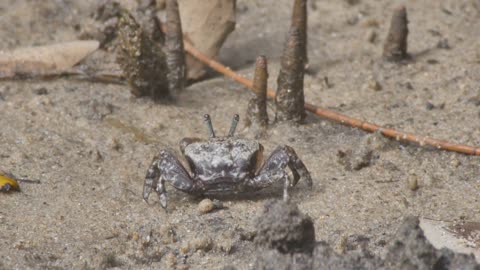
395,47
142,61
102,25
174,49
206,23
145,5
147,18
290,99
107,10
257,117
299,21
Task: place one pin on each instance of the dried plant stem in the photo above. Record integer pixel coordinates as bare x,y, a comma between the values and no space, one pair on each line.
75,73
338,117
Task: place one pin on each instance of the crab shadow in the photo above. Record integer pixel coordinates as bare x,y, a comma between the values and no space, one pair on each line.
298,193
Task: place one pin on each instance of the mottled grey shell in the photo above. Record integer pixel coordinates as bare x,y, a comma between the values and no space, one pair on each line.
228,158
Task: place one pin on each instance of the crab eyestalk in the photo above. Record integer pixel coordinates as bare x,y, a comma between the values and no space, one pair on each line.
208,121
235,120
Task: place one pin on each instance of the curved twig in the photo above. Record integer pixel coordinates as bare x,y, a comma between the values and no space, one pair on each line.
338,117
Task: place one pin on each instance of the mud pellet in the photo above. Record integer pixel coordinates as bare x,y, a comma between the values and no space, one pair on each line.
206,206
203,244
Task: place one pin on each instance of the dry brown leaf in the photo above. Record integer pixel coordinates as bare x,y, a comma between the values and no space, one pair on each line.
206,24
39,60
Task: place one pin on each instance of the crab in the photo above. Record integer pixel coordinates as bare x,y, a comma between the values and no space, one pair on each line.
223,165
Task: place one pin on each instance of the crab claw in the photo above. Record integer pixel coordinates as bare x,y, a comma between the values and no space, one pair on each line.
151,181
165,168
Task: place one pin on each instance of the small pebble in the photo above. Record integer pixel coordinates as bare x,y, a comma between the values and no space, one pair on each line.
413,182
429,106
375,85
41,91
202,243
185,248
455,163
371,36
206,206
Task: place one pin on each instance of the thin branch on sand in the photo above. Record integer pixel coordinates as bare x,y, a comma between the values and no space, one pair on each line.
338,117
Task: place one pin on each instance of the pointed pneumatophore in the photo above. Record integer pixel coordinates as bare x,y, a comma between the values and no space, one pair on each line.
289,100
141,59
174,49
257,118
395,47
299,21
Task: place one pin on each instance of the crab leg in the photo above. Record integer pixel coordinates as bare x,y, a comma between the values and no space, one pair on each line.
274,170
166,167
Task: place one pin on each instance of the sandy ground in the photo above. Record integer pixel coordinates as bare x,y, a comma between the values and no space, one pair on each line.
90,144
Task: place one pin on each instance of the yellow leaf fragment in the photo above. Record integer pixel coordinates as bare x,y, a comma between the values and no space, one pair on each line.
8,184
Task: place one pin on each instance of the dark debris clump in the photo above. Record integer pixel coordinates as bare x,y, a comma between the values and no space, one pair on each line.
142,60
284,228
286,240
